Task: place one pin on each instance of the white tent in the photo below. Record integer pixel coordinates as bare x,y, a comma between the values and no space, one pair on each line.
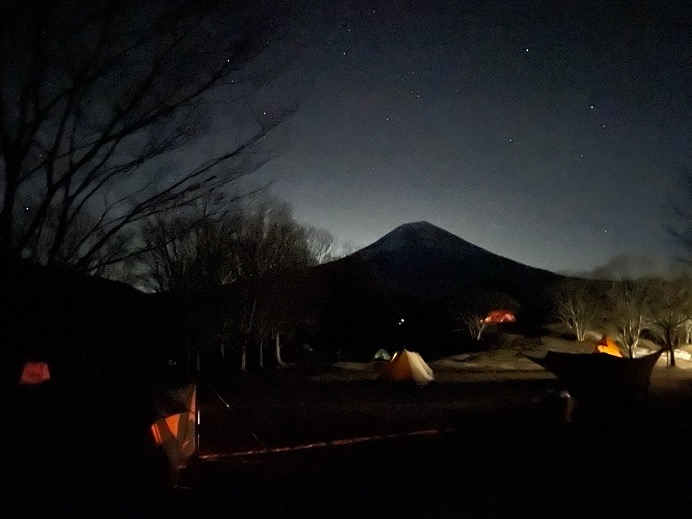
382,354
408,365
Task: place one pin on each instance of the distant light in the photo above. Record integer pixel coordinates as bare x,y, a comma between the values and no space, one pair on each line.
401,321
527,49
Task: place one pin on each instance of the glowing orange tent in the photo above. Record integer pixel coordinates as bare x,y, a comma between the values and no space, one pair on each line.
608,346
34,373
499,316
177,432
408,365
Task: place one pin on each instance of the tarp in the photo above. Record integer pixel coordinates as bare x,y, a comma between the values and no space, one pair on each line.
592,374
408,365
177,432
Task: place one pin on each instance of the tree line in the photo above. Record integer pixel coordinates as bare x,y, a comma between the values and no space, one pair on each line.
628,310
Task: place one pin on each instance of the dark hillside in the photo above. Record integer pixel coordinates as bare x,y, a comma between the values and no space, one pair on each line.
426,276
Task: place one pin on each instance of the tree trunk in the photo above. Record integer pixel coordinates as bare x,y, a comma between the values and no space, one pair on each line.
261,353
243,359
580,333
480,332
671,347
277,348
6,216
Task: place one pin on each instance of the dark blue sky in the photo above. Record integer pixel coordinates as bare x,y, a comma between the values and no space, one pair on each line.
548,132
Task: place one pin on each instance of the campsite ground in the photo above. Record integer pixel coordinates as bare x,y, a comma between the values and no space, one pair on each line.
490,443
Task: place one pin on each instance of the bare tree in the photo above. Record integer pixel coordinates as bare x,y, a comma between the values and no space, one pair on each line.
671,308
320,244
630,312
269,240
476,325
94,97
267,243
575,307
187,252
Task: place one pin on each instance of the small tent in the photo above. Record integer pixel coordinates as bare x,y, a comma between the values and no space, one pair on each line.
608,346
34,373
408,365
382,354
500,316
177,432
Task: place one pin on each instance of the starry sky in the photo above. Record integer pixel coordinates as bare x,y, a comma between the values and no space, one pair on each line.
553,133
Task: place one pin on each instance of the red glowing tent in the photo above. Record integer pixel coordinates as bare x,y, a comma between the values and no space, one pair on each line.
34,373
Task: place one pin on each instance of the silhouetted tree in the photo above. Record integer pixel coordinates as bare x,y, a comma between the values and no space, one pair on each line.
188,252
476,325
575,306
670,303
320,244
94,95
630,313
267,245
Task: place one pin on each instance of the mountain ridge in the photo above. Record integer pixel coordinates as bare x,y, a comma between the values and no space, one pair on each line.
430,237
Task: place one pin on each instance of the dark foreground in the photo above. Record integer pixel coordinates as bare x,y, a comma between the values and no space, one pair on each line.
515,458
509,466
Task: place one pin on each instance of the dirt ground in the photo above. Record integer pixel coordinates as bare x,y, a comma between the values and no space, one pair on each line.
491,443
486,439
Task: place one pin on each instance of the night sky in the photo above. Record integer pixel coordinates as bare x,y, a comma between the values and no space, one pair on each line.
552,133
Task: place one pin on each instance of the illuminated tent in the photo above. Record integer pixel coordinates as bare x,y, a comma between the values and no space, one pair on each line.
382,354
608,346
34,373
176,432
499,316
408,365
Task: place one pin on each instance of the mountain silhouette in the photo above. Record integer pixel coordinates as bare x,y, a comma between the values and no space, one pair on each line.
428,277
424,261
